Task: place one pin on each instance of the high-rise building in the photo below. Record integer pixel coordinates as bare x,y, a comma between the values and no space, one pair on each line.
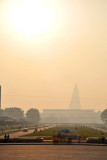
73,115
75,101
0,97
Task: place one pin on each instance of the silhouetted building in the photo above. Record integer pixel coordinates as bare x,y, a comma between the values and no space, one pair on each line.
75,101
0,97
70,116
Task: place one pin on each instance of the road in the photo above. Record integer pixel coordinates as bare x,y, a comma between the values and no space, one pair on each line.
52,152
18,134
21,133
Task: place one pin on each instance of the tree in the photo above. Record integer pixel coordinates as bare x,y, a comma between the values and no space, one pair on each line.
104,116
1,112
15,113
33,116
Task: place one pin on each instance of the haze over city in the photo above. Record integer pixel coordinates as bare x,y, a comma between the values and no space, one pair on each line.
46,47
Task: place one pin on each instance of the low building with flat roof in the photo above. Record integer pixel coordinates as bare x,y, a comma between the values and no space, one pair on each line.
70,116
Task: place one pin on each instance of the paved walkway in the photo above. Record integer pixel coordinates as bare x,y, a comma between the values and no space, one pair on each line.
53,152
100,129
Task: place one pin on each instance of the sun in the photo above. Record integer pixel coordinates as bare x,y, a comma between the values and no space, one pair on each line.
31,17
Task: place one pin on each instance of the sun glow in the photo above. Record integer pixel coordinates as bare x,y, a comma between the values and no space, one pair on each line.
31,17
28,26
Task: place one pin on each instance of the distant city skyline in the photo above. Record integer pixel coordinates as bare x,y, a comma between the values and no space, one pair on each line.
53,98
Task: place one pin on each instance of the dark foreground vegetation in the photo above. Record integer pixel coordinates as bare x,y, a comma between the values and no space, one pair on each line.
21,140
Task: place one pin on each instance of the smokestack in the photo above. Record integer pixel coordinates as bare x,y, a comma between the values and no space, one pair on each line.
0,97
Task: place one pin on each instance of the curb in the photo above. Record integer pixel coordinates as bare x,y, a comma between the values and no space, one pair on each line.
81,144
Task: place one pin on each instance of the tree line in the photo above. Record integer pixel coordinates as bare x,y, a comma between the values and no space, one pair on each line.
104,116
16,115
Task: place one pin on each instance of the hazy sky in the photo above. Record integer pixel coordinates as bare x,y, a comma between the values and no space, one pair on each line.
46,47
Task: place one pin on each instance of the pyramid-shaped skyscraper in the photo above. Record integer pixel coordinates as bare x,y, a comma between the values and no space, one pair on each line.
75,101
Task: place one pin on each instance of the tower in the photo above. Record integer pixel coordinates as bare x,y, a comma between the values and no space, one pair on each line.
75,101
0,97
